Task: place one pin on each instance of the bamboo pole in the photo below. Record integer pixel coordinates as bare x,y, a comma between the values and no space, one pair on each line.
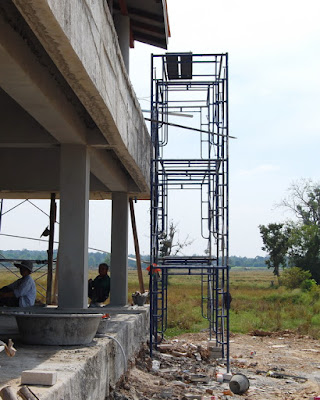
55,287
7,393
136,245
188,128
27,394
1,207
53,209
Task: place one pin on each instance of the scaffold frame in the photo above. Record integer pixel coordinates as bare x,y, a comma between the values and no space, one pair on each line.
184,84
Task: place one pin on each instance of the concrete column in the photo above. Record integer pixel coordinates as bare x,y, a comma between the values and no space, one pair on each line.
119,250
74,218
122,25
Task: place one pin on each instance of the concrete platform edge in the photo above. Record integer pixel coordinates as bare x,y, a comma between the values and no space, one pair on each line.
84,372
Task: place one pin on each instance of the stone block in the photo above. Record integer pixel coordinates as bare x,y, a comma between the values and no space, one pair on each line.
214,350
36,377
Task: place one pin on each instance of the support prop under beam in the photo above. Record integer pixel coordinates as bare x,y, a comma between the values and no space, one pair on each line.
136,245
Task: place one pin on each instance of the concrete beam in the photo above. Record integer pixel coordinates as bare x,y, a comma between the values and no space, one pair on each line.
28,169
108,171
32,86
35,173
18,128
80,38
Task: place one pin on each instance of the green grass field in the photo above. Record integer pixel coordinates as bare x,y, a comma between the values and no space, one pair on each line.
256,304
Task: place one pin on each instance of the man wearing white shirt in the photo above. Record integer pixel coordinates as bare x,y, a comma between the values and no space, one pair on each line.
22,292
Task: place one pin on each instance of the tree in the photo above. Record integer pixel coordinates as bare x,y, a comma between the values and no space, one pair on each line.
167,245
304,201
275,239
304,249
298,241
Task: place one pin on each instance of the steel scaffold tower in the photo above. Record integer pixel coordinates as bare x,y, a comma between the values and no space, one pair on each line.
192,158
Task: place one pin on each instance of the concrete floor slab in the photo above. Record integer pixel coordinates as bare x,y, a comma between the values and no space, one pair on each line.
84,372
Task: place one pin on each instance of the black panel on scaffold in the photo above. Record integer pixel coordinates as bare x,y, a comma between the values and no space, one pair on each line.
189,131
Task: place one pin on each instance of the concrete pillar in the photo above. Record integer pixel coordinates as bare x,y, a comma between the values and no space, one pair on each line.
122,25
119,250
74,218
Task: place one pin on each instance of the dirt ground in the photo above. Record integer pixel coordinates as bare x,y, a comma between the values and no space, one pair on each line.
278,366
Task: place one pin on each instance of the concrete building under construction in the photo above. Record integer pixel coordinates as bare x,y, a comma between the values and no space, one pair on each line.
72,129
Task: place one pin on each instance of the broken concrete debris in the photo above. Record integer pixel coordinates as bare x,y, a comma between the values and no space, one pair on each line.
215,352
155,365
274,374
199,378
183,375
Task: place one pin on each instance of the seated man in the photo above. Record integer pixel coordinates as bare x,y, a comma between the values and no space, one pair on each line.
22,292
99,288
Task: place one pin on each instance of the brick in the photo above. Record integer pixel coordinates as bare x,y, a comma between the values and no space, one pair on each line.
36,377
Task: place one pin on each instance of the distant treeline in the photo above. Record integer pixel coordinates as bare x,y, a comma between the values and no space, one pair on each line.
95,258
256,262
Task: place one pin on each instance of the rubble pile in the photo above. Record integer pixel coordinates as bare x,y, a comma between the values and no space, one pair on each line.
278,366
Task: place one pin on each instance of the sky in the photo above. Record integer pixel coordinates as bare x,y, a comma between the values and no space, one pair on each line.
274,103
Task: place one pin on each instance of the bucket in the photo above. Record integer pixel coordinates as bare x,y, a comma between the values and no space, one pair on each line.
239,384
103,326
139,298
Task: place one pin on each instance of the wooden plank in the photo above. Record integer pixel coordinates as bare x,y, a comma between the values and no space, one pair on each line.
55,288
53,208
131,37
172,66
1,207
147,28
186,66
123,7
136,245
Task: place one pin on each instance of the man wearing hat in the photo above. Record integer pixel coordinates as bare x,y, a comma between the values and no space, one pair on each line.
22,292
